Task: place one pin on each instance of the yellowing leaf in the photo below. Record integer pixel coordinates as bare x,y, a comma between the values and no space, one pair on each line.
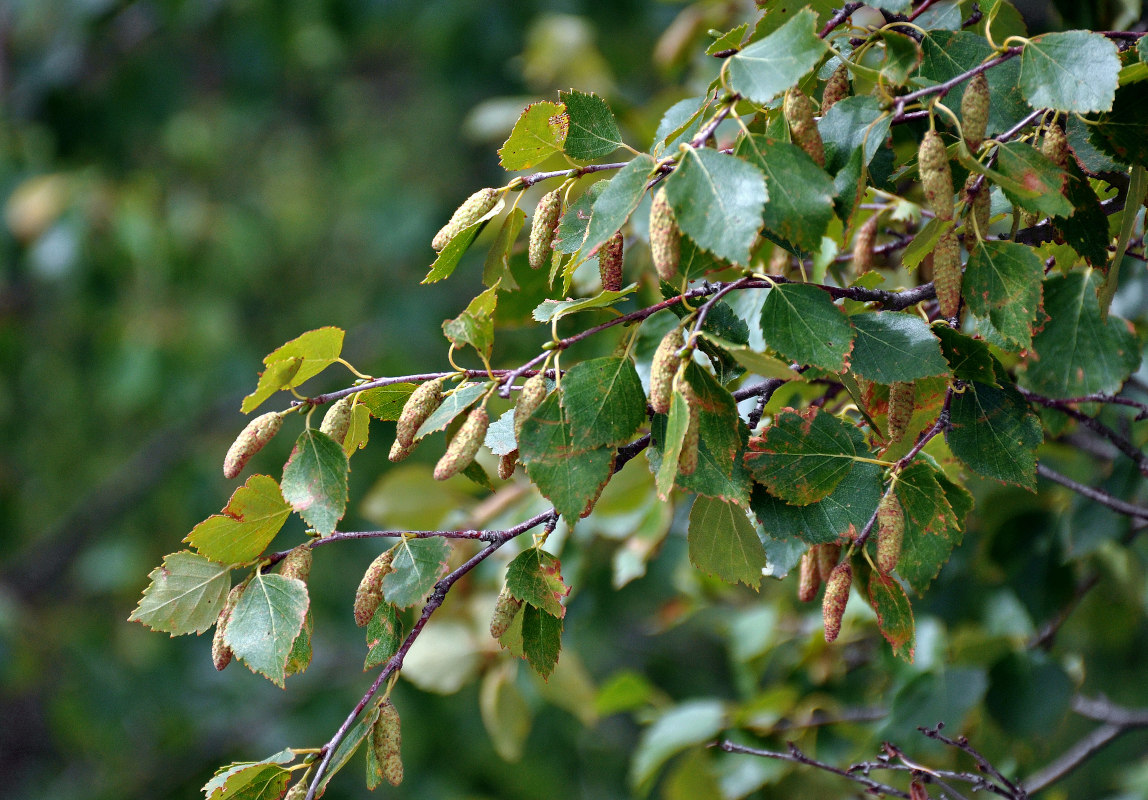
246,526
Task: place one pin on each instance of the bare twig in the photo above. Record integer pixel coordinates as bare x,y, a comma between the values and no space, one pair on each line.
983,764
835,21
1100,496
1073,757
1122,443
796,756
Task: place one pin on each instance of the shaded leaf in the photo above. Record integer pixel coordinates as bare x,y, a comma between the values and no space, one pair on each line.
535,577
969,359
572,227
902,56
722,542
800,203
550,310
475,325
1086,230
892,347
351,743
932,529
948,54
1032,181
315,480
539,133
496,269
995,433
692,723
265,622
672,437
804,324
386,402
251,780
1120,132
453,404
769,66
802,456
1003,282
593,130
384,635
615,205
603,400
894,614
851,124
505,713
541,639
417,566
185,594
842,514
1071,71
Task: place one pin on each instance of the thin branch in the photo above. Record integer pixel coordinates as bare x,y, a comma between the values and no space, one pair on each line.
1122,443
1101,709
835,21
983,764
1044,638
577,172
796,756
1100,496
1073,757
708,129
941,89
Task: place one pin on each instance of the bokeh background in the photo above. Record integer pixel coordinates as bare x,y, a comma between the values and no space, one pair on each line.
185,185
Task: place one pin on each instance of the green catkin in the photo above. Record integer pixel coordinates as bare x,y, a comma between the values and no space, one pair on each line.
463,447
419,406
835,599
337,420
902,396
471,211
529,399
802,127
979,207
809,579
297,563
610,257
663,367
369,595
220,653
250,441
665,237
688,458
388,742
506,608
890,532
543,227
836,89
947,274
936,175
863,246
975,111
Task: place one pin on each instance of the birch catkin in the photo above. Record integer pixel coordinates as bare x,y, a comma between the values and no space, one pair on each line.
250,441
471,211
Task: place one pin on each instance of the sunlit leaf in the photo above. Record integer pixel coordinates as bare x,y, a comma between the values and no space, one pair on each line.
539,133
185,594
315,480
246,526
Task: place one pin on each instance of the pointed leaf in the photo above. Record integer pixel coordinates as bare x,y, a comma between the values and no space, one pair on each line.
384,635
932,529
803,324
319,349
351,743
315,480
448,258
251,780
722,542
185,594
386,402
969,359
800,204
718,201
593,130
1031,180
842,514
769,66
1120,132
541,639
278,375
1003,282
265,622
549,310
496,268
615,205
802,457
535,577
902,56
246,526
995,434
300,656
359,430
894,614
672,436
1086,230
604,402
893,347
453,404
539,133
475,325
1074,71
851,124
417,566
572,227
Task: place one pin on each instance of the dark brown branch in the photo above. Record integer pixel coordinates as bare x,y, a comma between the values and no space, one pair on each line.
1122,443
983,764
835,21
796,756
941,89
1100,496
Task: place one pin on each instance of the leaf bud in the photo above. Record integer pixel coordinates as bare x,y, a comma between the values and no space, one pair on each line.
688,458
506,464
665,237
975,111
947,274
836,88
979,207
464,446
1055,145
827,557
297,563
419,406
505,610
890,532
863,245
809,581
835,599
220,652
902,398
471,211
936,175
337,420
250,441
529,399
610,258
663,367
388,742
798,111
370,592
543,227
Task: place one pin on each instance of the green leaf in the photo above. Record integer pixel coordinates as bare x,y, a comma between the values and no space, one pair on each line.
932,529
603,400
722,542
1120,132
902,56
319,349
254,514
615,205
1033,182
300,656
251,780
359,429
567,475
539,133
1029,694
351,743
679,124
386,402
505,713
894,614
496,268
1075,71
1076,353
384,635
842,514
278,375
800,204
893,347
671,438
995,433
185,594
948,54
686,725
315,480
969,359
925,242
1003,282
541,639
453,404
1086,230
768,67
593,130
730,40
1080,136
853,123
448,258
535,577
475,325
265,622
500,435
550,310
758,363
802,456
417,566
572,227
803,324
718,201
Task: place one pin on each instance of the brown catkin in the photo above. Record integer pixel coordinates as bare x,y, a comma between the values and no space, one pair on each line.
979,206
463,447
663,367
388,742
836,88
506,464
890,532
902,396
936,175
369,595
665,237
470,212
419,406
863,245
529,399
827,557
688,458
610,257
802,127
975,111
337,420
543,227
835,599
220,652
809,581
297,563
917,791
505,610
250,441
947,274
1055,146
